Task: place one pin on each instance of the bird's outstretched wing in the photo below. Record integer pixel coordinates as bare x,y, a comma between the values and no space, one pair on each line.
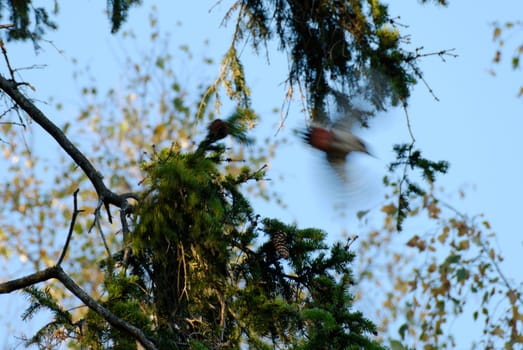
345,122
337,162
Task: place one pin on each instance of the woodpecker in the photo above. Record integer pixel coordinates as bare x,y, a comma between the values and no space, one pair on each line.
217,130
337,141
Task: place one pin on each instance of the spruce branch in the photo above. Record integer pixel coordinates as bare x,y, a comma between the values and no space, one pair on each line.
58,273
111,318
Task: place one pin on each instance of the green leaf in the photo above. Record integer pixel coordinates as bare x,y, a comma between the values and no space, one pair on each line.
515,62
402,330
160,63
361,213
453,259
396,345
461,274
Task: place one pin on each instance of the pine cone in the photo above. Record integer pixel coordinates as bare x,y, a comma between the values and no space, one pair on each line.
279,241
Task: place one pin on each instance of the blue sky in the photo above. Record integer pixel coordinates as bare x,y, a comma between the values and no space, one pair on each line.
476,125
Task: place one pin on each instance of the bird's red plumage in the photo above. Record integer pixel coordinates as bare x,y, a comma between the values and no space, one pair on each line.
320,138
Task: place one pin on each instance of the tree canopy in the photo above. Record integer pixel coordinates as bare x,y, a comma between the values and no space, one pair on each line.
173,253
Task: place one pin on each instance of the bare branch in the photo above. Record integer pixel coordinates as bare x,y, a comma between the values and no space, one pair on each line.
4,52
27,281
10,87
405,167
76,211
409,127
96,223
100,230
441,54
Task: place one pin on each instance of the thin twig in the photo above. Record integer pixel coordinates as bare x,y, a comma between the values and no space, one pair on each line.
409,127
4,113
31,67
76,211
4,52
12,123
417,55
404,176
350,241
98,225
285,107
441,54
420,76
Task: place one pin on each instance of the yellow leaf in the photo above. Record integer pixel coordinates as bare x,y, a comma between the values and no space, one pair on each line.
497,331
417,242
413,241
434,210
432,267
389,209
464,244
413,284
443,236
159,130
497,33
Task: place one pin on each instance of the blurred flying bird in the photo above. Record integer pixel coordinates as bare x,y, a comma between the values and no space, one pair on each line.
336,140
